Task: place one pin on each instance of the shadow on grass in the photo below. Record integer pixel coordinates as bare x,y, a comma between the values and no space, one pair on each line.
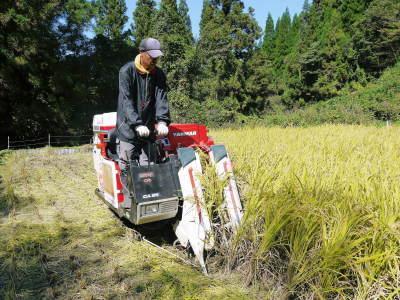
159,233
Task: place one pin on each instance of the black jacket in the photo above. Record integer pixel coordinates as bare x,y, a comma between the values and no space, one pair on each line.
142,100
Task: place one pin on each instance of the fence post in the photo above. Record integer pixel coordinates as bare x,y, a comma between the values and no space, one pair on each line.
49,139
8,142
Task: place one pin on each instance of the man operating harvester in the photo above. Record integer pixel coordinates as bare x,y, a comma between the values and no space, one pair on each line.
143,110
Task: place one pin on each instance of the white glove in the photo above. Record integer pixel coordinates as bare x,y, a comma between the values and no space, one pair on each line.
162,129
142,131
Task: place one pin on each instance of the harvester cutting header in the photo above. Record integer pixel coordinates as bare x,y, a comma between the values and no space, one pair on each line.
167,187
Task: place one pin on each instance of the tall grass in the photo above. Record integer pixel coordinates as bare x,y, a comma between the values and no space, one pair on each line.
322,208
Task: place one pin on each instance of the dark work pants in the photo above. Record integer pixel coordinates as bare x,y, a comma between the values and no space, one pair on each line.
131,153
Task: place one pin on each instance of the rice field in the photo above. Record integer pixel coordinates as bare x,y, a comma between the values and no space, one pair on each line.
322,213
322,221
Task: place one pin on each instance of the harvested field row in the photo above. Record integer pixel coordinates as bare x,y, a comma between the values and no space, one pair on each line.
58,240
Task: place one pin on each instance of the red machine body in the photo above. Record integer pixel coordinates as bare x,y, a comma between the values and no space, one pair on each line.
187,135
180,135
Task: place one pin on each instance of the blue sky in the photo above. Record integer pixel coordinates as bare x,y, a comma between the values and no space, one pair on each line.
262,7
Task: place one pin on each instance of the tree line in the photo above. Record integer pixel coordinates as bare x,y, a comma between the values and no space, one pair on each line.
59,59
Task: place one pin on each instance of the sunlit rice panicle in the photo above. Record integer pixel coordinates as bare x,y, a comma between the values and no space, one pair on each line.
322,209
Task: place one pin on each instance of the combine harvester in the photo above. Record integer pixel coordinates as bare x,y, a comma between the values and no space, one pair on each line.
168,189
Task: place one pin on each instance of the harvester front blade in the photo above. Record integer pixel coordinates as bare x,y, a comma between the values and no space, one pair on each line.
223,164
194,227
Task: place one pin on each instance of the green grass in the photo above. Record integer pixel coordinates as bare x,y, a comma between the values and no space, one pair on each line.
58,240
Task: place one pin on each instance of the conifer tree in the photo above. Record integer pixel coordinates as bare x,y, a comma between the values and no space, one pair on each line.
36,39
177,45
269,36
377,38
184,13
306,6
110,18
294,32
227,41
324,59
259,84
282,41
206,15
173,34
351,11
143,20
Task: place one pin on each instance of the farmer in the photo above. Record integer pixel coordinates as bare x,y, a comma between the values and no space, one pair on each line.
142,110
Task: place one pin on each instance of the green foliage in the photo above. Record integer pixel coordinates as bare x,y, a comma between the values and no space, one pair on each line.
351,11
378,36
258,84
269,36
222,52
143,20
75,20
173,30
282,43
51,72
183,11
175,38
28,57
110,18
379,100
327,62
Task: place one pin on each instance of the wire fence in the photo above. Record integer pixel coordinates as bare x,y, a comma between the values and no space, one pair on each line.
50,141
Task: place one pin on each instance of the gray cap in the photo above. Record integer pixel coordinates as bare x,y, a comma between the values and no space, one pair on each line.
151,46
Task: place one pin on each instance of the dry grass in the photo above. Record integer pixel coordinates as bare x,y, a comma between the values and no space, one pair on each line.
58,240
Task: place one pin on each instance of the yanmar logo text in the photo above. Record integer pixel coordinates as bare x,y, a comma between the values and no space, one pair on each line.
187,133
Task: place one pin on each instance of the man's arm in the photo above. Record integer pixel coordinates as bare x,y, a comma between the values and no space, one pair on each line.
132,117
162,107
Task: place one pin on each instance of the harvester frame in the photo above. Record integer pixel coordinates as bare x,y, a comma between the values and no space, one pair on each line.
169,188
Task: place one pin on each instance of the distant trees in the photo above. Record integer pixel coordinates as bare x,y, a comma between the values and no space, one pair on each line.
377,36
227,41
269,36
175,36
29,52
110,18
53,72
143,16
331,45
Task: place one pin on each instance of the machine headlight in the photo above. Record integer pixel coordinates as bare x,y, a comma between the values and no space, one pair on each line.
150,209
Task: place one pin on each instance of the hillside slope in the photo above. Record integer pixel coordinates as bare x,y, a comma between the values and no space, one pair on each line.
377,101
58,240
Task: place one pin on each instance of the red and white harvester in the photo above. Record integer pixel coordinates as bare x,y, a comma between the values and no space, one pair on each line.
170,188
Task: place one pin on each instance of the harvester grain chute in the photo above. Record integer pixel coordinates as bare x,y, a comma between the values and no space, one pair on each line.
170,187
